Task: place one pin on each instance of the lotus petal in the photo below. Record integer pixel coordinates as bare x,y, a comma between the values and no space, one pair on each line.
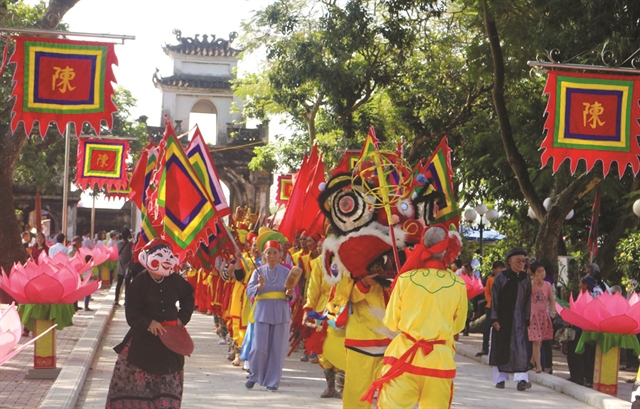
44,290
634,298
474,286
634,312
81,292
10,329
576,319
69,280
60,259
619,324
616,304
579,305
113,252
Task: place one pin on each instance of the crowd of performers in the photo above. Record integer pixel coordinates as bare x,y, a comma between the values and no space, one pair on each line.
368,295
350,326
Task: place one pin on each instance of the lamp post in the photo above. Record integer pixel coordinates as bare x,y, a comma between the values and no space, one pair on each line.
470,215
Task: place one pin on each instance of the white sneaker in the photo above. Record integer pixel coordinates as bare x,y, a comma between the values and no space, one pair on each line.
222,342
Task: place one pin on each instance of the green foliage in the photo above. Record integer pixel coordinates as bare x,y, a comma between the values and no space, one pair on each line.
628,261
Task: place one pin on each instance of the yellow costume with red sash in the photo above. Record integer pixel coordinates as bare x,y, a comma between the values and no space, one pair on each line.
428,306
364,338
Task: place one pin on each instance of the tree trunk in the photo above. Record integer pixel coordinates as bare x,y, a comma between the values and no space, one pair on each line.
550,223
10,242
11,249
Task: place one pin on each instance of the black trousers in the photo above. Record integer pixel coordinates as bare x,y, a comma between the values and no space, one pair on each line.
119,287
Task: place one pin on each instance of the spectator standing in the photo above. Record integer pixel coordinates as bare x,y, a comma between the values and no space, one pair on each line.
542,301
40,247
59,247
86,240
125,258
511,300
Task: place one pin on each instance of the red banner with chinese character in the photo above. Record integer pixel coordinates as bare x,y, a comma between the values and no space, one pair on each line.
62,81
102,162
592,117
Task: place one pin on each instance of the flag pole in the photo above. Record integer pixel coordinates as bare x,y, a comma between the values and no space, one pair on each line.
65,191
93,214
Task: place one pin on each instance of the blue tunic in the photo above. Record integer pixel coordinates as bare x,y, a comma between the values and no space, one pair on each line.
271,328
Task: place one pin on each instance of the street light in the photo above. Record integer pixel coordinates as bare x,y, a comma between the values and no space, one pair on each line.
636,207
481,209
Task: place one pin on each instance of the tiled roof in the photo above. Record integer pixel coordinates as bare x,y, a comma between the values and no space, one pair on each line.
203,47
192,81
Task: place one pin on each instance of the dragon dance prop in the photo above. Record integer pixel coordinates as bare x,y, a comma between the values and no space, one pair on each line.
611,322
593,117
62,81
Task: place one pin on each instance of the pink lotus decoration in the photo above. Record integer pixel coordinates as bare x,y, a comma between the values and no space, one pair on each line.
53,281
607,313
10,332
474,285
113,252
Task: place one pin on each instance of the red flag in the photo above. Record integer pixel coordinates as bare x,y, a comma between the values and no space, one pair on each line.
303,211
137,184
592,243
38,211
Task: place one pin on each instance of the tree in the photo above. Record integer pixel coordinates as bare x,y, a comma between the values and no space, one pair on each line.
14,13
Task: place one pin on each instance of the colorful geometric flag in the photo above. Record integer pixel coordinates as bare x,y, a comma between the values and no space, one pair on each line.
371,144
592,243
101,162
200,159
592,117
140,185
347,163
186,208
438,171
62,81
285,188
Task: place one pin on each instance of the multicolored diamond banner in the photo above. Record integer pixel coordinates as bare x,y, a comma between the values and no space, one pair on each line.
592,117
102,162
285,188
438,171
62,81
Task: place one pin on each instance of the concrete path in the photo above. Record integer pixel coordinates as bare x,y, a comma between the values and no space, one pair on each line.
211,381
86,357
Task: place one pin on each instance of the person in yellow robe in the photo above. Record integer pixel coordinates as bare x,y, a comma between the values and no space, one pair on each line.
366,338
428,306
331,351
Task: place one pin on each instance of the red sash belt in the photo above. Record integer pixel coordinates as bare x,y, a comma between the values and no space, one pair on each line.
173,323
402,365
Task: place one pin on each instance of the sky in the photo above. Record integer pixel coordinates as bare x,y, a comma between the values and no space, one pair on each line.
152,23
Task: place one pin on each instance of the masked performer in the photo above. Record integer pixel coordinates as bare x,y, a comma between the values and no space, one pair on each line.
327,341
428,306
148,373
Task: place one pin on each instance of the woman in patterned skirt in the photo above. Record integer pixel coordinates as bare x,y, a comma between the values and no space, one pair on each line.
147,373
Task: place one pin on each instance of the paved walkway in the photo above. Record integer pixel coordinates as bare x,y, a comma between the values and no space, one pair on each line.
210,380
